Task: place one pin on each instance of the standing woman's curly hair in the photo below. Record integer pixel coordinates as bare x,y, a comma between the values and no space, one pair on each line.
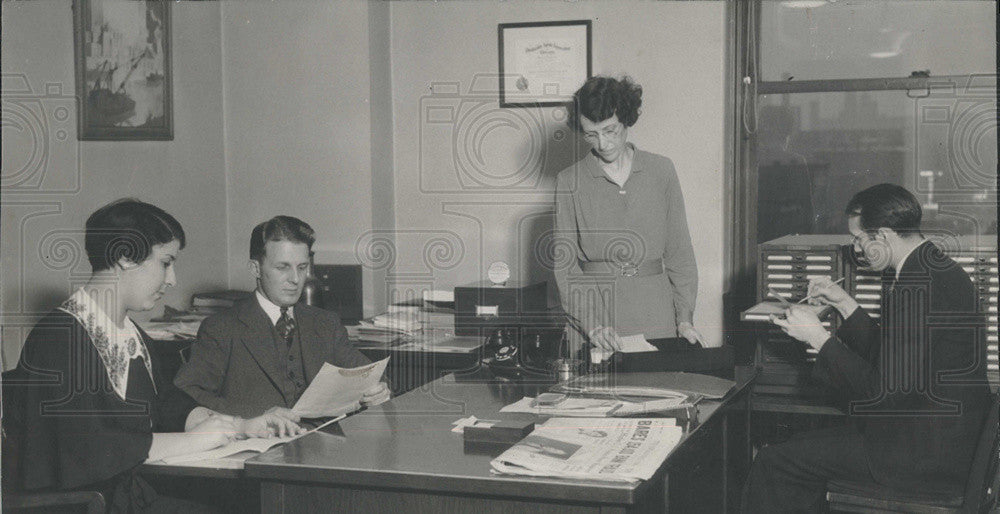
602,97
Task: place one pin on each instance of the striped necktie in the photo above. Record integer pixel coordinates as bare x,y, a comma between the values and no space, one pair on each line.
285,326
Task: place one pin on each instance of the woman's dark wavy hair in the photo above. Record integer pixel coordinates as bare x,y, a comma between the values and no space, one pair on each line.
602,97
886,205
128,228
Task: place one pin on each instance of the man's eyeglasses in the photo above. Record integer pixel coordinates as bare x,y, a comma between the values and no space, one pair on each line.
610,132
863,238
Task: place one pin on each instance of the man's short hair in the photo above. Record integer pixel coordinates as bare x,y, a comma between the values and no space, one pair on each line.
886,205
127,228
280,228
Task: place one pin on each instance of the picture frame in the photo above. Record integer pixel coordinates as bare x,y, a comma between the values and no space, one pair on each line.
123,70
543,63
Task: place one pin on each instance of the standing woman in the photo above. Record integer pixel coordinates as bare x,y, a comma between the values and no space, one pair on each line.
86,404
631,267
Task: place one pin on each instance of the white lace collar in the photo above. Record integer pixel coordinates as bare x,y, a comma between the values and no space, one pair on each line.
117,346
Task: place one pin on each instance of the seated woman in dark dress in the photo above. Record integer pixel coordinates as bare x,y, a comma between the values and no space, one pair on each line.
86,405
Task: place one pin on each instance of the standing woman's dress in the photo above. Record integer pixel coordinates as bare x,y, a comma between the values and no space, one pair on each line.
623,254
81,407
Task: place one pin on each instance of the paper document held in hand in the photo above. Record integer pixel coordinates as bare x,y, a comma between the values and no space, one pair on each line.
336,390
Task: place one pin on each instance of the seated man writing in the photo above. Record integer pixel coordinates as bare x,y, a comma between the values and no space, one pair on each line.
914,380
261,355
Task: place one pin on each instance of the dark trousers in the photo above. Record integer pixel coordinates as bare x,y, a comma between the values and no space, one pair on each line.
792,476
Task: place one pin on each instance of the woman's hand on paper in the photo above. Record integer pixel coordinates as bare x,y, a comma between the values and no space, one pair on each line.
284,412
270,424
376,395
219,429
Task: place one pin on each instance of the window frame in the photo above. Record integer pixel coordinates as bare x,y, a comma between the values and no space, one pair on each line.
742,93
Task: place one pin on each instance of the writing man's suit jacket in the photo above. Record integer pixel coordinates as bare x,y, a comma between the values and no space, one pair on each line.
915,381
234,366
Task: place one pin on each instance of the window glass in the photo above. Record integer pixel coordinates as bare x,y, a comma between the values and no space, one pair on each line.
813,40
815,150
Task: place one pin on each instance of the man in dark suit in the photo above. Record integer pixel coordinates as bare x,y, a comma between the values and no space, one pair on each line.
914,383
261,355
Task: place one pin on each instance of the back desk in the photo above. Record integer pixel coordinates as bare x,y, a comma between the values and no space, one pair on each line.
402,457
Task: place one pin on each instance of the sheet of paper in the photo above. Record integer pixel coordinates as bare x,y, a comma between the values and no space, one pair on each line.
335,388
254,445
462,423
635,343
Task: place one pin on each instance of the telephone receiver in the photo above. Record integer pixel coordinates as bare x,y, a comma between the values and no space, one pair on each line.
513,351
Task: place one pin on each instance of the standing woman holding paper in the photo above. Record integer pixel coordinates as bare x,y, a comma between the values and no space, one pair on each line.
631,268
86,404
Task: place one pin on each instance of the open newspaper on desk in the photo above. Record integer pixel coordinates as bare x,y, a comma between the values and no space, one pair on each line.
607,449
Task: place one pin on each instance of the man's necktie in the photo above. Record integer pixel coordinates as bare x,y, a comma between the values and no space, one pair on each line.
285,326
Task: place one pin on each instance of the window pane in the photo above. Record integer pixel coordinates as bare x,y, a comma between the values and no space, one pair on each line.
815,150
812,40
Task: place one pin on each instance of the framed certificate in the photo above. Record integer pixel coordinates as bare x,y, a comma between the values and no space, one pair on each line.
543,63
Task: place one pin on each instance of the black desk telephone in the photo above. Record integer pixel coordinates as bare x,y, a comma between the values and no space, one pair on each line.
513,351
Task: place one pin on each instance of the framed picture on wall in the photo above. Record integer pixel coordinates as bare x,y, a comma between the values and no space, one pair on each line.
543,63
123,77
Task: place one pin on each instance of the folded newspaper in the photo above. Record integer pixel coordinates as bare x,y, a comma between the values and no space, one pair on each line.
607,449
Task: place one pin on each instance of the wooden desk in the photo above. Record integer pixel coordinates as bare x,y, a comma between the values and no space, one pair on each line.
402,457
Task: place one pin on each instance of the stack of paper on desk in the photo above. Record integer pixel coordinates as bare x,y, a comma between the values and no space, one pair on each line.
172,329
335,391
403,321
592,449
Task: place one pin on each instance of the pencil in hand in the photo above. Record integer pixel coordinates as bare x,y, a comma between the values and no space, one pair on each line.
809,296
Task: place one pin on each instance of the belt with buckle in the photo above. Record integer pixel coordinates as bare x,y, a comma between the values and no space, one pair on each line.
623,269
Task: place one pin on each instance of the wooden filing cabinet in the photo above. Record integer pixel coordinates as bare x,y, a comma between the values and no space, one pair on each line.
786,265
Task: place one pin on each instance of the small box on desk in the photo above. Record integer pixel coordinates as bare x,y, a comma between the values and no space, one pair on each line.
504,432
482,305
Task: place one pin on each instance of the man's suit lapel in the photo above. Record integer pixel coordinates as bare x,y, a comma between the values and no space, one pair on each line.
258,339
313,347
